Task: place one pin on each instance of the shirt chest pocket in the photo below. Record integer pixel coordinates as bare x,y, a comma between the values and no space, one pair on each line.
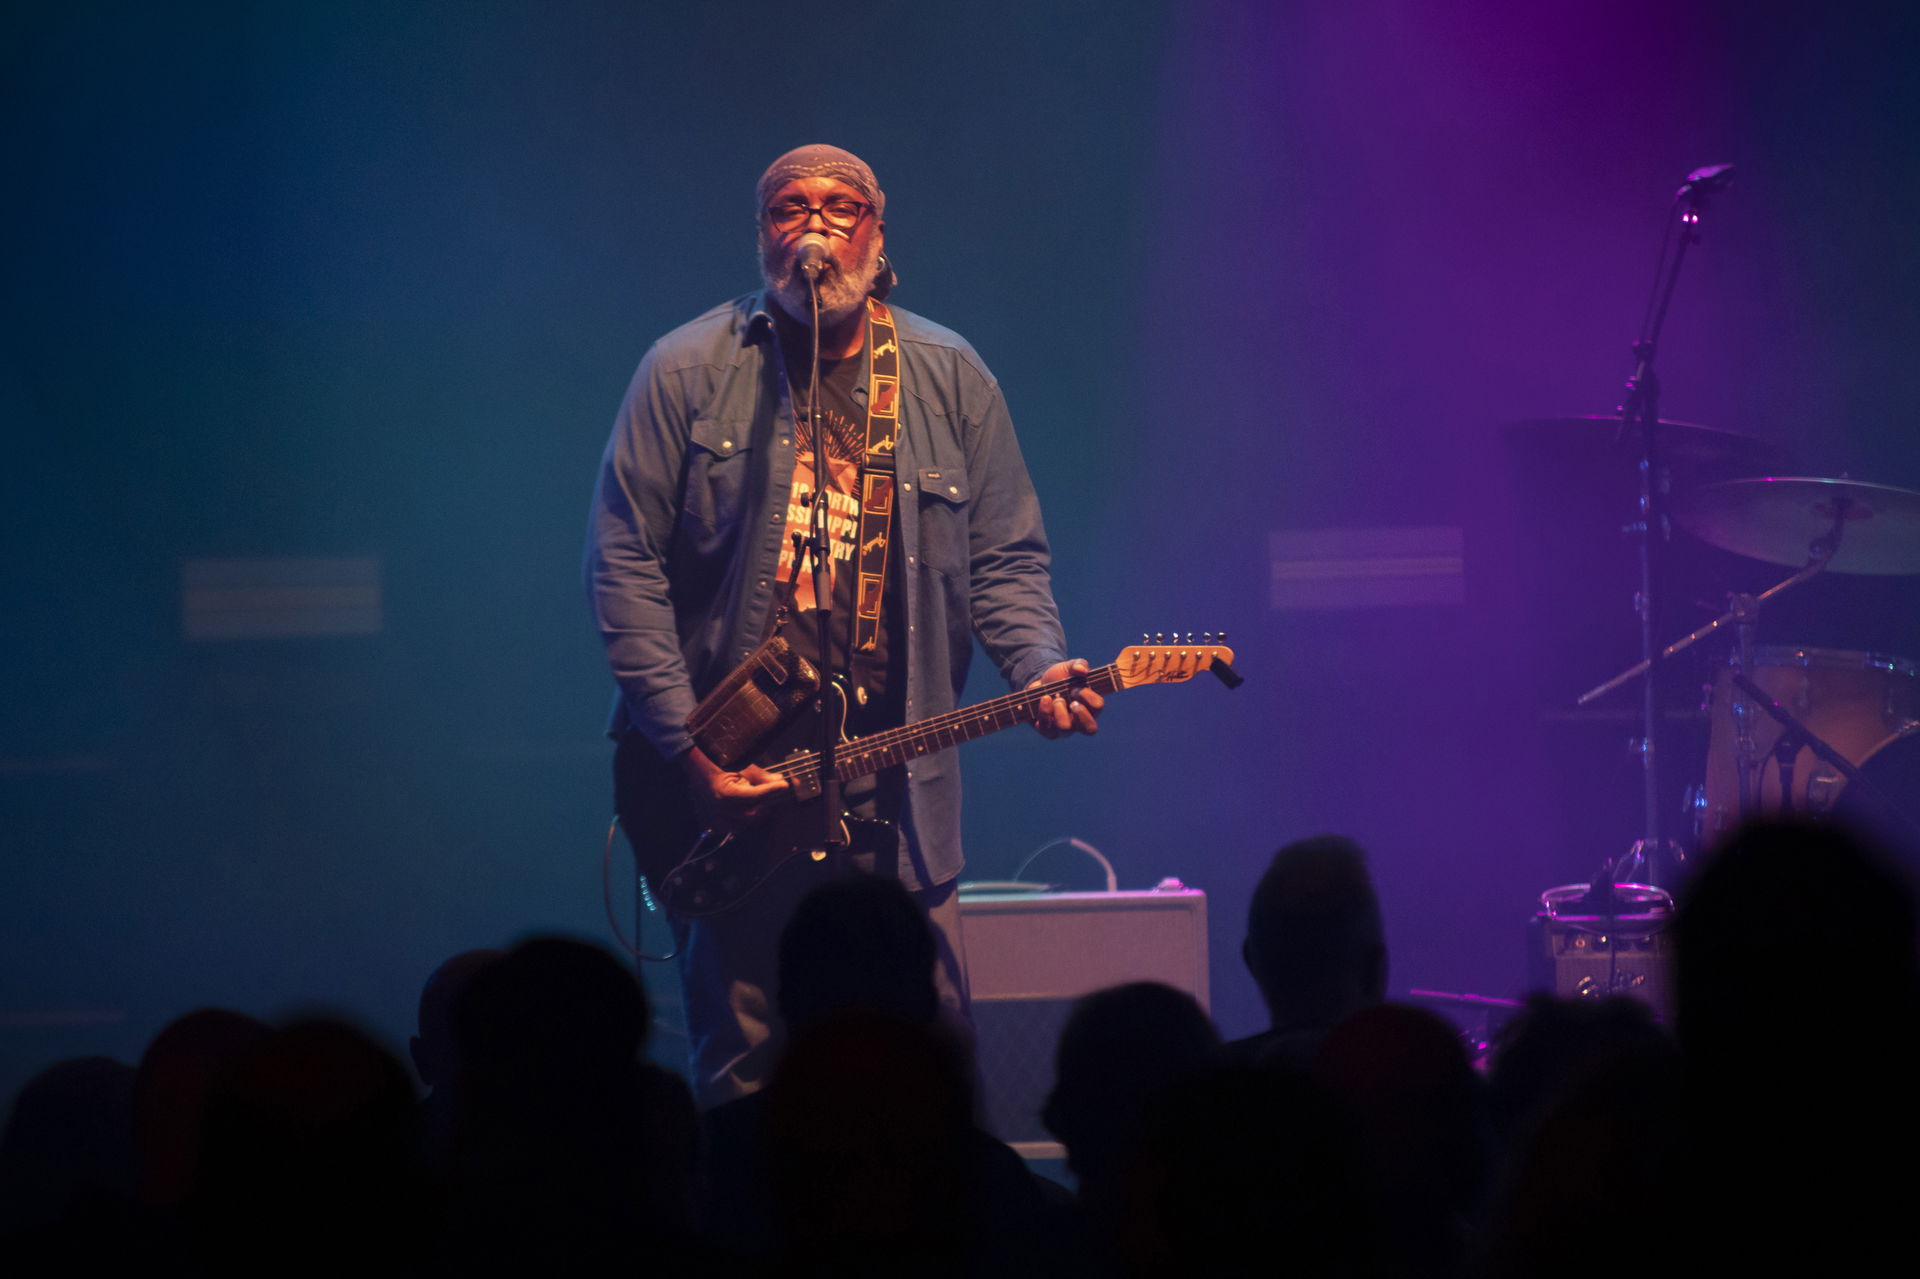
941,499
718,460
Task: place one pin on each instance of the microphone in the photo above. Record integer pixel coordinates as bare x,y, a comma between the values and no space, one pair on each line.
1714,177
813,254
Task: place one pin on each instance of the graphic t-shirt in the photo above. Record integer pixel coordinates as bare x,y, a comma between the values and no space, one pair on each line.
844,422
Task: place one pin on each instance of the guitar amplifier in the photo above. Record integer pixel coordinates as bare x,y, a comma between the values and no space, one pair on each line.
1030,955
1593,957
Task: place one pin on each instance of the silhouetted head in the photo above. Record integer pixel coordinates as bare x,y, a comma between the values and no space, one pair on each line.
1795,989
868,1131
1315,944
1250,1171
310,1150
434,1049
1792,923
859,941
68,1142
1121,1048
1589,1117
1557,1047
551,1008
1405,1077
176,1075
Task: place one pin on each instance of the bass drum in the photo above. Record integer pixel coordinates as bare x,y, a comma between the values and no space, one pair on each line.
1859,703
1887,811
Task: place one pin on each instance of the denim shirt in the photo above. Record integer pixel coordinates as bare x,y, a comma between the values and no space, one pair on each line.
689,518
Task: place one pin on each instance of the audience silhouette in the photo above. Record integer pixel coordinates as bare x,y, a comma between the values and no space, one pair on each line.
568,1150
856,989
1351,1138
435,1049
1800,1036
1315,946
310,1160
1405,1081
69,1169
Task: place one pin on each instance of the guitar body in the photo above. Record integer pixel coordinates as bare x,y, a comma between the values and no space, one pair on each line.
696,873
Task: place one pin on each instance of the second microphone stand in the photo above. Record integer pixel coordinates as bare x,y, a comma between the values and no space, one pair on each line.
1642,405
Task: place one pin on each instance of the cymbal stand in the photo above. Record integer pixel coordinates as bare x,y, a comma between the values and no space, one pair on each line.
1746,761
1737,613
1746,766
1743,614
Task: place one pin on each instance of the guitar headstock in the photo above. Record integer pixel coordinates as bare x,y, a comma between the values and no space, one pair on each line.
1169,660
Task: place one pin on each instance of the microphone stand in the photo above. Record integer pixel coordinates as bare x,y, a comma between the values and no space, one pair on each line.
1642,402
831,801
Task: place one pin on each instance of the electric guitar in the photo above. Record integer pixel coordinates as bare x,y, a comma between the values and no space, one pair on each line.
719,869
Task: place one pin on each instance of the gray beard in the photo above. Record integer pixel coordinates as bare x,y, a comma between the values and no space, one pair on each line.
841,295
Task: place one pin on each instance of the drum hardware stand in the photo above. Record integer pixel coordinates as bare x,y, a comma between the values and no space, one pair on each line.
1746,611
1743,615
1743,609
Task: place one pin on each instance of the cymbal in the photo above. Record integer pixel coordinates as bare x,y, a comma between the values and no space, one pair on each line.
1777,519
1682,444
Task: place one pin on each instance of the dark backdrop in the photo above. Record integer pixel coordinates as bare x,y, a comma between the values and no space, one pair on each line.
369,279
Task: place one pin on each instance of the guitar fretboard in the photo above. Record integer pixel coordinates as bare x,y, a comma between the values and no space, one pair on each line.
864,756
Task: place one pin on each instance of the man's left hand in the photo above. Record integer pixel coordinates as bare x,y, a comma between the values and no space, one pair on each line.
1077,712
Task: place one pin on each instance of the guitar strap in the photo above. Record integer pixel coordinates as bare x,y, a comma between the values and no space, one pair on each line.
874,483
876,475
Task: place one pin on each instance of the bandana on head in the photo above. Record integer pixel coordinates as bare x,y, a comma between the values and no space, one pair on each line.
821,161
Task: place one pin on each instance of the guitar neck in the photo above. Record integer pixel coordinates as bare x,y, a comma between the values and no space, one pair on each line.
865,756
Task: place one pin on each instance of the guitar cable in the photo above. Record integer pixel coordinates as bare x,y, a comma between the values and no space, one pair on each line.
647,899
1113,883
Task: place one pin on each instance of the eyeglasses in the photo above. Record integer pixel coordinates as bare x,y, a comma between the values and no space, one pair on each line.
840,214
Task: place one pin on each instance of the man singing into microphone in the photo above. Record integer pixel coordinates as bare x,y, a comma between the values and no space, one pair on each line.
714,463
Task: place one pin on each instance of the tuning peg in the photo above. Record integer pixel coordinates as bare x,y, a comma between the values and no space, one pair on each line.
1206,637
1144,637
1189,639
1159,638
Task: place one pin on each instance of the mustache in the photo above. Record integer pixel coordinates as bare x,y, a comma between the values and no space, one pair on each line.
843,288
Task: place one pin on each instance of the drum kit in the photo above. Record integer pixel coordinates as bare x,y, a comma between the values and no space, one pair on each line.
1791,726
1792,729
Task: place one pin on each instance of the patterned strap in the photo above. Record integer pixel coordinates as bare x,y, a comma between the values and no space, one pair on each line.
876,474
